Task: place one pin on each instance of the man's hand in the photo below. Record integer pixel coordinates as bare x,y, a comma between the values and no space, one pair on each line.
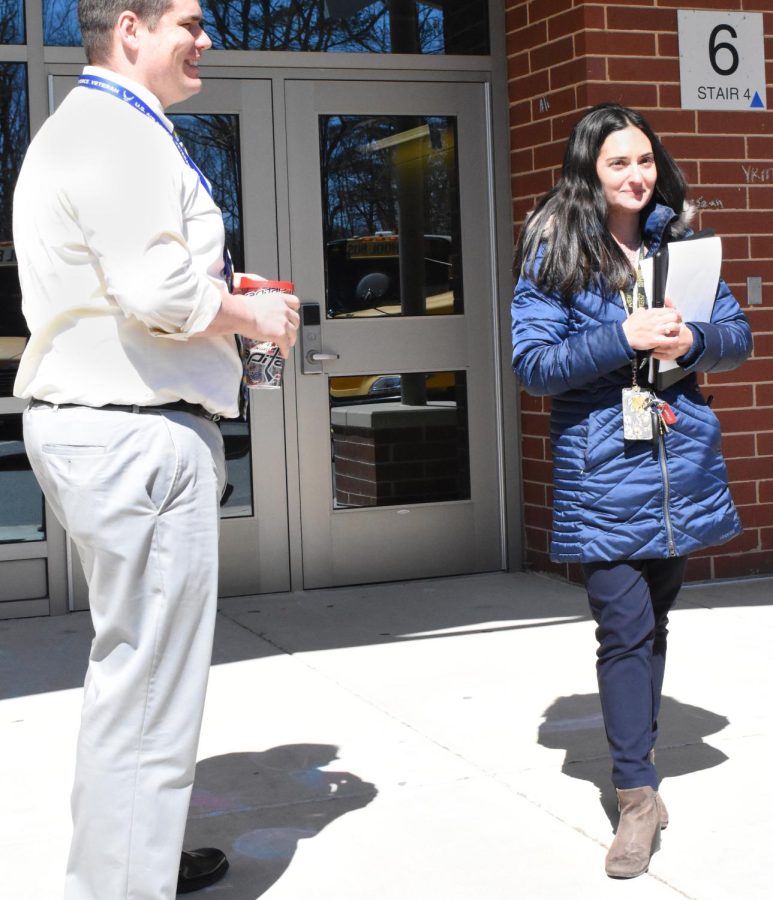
264,316
275,319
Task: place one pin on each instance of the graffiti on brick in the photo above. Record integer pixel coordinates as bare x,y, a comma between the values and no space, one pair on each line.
703,203
757,174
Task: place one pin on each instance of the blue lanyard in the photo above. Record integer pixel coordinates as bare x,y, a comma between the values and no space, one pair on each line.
96,83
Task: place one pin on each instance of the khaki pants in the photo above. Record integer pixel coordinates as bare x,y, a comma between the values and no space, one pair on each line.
139,496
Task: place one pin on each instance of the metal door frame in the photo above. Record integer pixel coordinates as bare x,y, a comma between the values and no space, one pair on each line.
314,97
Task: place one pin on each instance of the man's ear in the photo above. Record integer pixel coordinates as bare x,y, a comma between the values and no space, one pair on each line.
126,30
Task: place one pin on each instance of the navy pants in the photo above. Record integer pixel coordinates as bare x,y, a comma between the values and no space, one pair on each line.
630,602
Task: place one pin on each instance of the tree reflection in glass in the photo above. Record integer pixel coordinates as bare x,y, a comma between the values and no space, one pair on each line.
350,26
14,136
14,139
326,26
353,26
12,22
213,143
390,207
60,23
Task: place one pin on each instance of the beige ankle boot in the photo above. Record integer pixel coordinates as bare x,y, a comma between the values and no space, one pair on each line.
638,833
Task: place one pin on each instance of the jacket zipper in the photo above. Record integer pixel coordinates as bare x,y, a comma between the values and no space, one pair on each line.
666,514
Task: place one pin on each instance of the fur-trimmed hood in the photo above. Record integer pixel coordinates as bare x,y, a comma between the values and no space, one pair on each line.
662,224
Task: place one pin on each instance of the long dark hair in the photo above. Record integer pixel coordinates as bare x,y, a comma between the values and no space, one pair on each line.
571,219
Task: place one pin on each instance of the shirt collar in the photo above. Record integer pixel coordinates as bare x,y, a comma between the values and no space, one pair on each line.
147,96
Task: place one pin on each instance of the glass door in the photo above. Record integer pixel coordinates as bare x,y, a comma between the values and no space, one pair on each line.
390,239
228,131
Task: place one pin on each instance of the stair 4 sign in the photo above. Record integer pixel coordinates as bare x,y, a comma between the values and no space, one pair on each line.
722,60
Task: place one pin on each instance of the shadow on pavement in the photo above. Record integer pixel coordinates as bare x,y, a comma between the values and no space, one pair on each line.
258,806
575,724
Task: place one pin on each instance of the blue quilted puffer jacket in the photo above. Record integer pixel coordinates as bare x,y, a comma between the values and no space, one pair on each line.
616,499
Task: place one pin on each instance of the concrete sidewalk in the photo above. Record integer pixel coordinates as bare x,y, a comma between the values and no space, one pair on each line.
427,739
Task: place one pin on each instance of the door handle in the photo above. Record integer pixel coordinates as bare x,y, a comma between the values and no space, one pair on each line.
312,354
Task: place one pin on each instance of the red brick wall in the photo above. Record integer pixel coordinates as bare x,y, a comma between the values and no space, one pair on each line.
564,56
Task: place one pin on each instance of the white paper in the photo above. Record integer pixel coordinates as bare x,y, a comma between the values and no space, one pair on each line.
691,284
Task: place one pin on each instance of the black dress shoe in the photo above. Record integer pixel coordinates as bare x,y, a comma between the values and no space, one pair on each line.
200,868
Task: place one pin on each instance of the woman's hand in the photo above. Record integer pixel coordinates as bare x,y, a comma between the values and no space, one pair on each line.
684,340
660,330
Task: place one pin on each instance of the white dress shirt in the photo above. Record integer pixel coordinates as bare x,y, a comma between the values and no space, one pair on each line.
120,253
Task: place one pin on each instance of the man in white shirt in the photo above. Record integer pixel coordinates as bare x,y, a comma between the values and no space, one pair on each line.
130,362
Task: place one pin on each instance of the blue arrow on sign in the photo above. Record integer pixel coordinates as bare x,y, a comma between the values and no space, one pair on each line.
757,102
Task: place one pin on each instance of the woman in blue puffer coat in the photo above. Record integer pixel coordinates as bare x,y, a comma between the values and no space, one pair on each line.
629,510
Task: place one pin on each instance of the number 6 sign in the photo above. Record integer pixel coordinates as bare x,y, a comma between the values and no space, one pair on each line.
721,60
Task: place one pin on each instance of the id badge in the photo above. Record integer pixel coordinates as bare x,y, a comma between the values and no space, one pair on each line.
637,414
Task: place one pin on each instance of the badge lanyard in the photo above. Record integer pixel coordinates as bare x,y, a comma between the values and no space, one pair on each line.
97,83
636,298
645,416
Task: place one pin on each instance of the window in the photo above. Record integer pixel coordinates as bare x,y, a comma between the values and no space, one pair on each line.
399,439
14,139
12,29
213,142
390,196
60,23
342,26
